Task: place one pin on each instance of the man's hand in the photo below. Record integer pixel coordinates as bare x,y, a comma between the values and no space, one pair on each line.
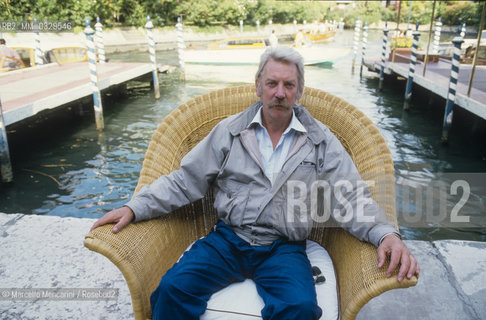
395,248
121,216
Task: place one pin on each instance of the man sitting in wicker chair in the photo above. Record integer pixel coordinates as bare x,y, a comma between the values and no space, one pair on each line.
259,163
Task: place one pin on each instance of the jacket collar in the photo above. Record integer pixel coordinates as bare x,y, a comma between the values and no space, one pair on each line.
242,120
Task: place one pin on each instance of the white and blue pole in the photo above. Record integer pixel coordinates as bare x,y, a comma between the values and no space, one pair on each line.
383,56
411,68
5,164
180,47
437,31
37,51
357,30
100,45
149,26
363,48
451,96
97,106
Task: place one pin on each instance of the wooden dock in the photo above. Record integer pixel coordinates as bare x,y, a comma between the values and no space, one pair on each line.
436,80
26,92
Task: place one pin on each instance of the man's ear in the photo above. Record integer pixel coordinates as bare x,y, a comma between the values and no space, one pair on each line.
299,95
258,88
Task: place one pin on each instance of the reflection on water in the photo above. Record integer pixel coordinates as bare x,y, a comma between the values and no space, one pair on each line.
79,172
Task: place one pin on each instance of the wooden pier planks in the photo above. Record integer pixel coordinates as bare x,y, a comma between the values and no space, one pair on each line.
437,78
26,92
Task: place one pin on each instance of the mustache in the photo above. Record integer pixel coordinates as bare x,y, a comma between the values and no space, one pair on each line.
281,103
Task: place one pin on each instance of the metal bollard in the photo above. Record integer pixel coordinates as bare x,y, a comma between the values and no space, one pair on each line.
363,48
100,45
357,30
438,29
258,26
383,56
241,26
295,26
149,26
180,47
451,96
5,164
38,52
411,69
98,107
270,26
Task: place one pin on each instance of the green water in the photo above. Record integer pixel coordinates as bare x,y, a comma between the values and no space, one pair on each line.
71,170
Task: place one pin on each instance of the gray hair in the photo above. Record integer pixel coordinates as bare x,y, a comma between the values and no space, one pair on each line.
286,55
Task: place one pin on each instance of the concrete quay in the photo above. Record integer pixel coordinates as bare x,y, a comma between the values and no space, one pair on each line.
47,252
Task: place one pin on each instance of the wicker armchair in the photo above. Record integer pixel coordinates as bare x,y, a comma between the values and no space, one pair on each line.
145,251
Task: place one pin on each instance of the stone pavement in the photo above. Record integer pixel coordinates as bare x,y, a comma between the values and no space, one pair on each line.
48,252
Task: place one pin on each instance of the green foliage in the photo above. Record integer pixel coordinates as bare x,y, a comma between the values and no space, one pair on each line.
369,11
207,13
464,12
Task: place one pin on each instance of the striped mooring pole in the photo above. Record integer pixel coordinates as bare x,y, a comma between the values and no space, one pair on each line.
37,51
363,48
100,45
180,47
383,56
149,26
451,96
5,164
97,106
463,30
438,29
357,30
411,68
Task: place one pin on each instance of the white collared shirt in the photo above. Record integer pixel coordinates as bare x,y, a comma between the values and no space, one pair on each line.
273,160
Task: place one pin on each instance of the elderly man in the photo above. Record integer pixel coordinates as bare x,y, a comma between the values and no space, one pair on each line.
251,159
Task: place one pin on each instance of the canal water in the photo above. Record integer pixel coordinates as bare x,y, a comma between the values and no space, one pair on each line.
71,170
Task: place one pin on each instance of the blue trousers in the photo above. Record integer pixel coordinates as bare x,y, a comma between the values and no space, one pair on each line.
282,274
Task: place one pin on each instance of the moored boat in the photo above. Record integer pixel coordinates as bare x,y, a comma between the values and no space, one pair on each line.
247,51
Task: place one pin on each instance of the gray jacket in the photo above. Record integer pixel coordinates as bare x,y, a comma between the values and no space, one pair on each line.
318,184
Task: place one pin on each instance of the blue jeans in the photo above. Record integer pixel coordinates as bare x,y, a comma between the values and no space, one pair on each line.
282,274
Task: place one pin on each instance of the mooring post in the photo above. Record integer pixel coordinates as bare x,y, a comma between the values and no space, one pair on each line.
357,29
180,48
97,106
437,31
411,68
151,42
100,45
383,56
451,96
463,30
363,48
5,164
37,51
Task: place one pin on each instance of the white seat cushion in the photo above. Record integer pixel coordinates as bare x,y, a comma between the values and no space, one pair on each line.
241,300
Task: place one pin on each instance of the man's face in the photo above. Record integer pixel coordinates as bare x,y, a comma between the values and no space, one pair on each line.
277,89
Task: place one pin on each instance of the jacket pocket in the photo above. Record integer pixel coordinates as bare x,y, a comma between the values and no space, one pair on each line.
230,201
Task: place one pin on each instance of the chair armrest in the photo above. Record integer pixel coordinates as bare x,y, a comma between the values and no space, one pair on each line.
143,252
358,276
